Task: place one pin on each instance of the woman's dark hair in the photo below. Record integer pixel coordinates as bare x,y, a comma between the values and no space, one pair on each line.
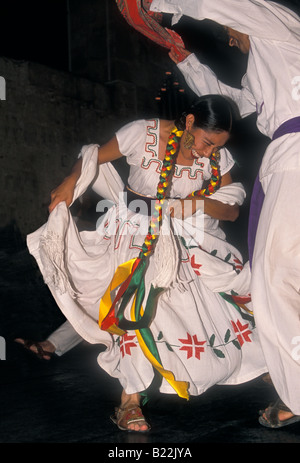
213,113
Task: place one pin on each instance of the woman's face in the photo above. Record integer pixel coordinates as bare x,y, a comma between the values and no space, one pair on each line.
205,143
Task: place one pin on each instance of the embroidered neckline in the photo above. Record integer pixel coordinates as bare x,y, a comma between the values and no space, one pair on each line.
151,148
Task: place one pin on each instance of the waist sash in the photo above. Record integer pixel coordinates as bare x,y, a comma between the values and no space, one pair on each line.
139,203
258,196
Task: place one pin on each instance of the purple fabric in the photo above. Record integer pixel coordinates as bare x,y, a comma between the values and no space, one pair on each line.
258,196
291,126
257,199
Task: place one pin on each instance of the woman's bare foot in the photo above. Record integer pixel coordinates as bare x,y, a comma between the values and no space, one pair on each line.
43,350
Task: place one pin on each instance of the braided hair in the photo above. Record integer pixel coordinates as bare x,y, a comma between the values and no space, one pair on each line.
212,113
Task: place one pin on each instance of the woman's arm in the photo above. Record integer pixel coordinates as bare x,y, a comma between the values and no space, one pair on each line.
65,191
214,208
219,210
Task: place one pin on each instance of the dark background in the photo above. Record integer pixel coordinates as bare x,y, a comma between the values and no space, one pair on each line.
40,32
70,400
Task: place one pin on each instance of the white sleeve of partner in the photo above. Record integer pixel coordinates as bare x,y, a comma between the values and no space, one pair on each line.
202,80
257,18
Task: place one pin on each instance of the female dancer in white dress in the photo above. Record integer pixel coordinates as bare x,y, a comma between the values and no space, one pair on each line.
175,297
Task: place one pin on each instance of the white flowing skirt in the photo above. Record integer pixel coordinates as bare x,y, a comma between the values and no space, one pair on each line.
201,334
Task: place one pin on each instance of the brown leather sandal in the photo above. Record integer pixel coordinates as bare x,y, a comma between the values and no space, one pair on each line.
126,416
271,419
40,353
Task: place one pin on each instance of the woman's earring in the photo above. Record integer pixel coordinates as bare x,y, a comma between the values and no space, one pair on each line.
189,140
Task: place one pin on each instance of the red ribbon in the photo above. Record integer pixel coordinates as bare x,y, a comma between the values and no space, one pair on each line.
110,318
147,23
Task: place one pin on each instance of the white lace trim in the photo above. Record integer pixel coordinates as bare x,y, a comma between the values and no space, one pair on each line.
52,256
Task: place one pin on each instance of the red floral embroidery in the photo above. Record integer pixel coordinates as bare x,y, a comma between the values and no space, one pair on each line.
241,299
193,347
242,332
126,344
238,264
195,266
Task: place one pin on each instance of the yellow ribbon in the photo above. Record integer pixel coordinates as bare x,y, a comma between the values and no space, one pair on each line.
122,272
181,387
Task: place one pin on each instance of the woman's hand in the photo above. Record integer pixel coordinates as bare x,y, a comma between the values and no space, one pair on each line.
64,192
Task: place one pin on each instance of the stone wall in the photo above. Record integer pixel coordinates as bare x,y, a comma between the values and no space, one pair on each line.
49,114
46,117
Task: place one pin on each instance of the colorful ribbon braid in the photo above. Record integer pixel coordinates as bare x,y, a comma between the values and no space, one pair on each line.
130,276
164,181
163,184
215,179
